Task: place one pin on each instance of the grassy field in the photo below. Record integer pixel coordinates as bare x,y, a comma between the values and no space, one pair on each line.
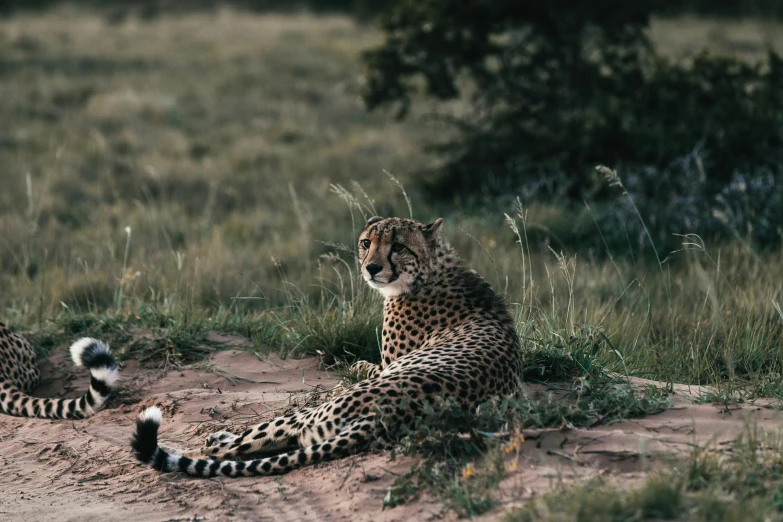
201,173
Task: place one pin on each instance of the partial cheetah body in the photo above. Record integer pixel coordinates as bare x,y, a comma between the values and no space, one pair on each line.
446,334
19,374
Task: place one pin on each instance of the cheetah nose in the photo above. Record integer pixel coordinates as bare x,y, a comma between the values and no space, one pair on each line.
373,268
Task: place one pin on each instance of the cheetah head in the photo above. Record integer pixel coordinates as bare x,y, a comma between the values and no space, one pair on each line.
396,254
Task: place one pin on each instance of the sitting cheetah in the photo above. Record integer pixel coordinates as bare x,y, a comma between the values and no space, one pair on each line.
445,334
19,374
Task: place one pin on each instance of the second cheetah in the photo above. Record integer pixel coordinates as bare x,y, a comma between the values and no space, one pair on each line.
446,334
19,374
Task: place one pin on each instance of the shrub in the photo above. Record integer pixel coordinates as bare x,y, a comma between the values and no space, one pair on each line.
561,86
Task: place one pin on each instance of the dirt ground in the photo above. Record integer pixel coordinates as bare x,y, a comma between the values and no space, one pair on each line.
84,470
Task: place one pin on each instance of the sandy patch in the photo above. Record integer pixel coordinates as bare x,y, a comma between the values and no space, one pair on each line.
84,470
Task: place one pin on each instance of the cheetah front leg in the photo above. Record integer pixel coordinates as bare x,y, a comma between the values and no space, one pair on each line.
366,370
278,434
361,369
303,428
212,440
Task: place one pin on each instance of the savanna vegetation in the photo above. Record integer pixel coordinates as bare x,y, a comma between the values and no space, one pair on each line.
209,171
742,482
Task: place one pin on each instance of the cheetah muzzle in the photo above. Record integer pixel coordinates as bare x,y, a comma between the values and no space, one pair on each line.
446,334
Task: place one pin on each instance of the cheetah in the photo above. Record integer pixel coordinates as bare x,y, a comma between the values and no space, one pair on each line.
19,374
446,334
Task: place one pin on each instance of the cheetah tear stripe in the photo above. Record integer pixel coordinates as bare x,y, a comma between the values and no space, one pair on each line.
19,375
146,449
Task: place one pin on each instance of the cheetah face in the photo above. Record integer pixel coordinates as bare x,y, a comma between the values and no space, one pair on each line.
395,253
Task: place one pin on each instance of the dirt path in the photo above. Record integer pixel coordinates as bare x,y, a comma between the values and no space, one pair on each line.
84,470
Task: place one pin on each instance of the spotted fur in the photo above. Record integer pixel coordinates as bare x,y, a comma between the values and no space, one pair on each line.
19,374
445,334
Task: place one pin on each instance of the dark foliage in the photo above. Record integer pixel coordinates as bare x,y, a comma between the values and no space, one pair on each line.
561,86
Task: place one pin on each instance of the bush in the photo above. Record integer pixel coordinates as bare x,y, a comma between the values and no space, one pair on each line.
561,86
679,199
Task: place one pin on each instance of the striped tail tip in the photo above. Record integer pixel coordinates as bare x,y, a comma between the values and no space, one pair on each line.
145,440
97,357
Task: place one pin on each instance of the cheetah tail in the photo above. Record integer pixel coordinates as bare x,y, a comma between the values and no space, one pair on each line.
89,353
146,449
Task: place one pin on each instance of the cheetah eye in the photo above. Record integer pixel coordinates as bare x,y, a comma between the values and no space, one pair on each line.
398,247
365,243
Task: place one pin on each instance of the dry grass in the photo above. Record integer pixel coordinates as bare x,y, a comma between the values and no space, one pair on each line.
216,140
686,36
163,169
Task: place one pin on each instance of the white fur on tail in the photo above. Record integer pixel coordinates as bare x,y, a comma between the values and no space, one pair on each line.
151,414
77,349
107,375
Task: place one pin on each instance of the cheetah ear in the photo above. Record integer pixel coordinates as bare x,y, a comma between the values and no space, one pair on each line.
372,221
433,228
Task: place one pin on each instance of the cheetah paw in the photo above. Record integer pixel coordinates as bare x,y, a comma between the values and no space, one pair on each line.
220,437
